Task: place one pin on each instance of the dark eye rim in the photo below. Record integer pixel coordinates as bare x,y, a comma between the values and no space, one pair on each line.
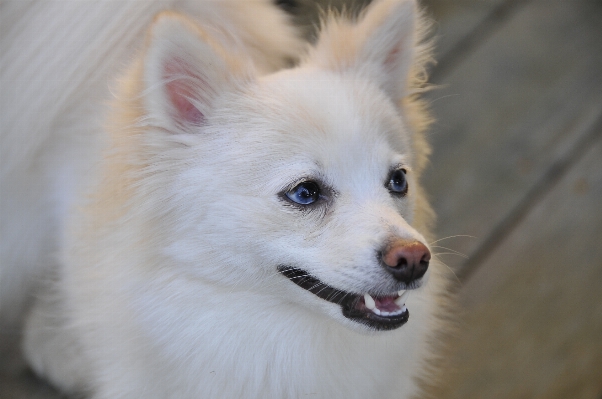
388,182
316,189
324,194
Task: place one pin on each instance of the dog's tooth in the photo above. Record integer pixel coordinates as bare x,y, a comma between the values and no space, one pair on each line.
376,311
402,299
401,292
370,304
403,308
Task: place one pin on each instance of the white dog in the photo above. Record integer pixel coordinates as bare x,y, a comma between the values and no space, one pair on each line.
235,232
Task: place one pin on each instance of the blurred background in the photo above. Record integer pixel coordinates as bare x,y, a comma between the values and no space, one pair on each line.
516,181
517,166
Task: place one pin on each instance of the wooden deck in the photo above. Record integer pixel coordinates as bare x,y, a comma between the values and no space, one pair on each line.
516,180
517,165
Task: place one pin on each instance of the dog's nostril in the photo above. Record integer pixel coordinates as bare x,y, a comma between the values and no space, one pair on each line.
403,262
406,260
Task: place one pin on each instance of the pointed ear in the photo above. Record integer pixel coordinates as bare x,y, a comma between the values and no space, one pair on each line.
184,72
380,46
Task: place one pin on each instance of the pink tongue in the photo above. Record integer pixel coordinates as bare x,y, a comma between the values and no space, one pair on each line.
387,304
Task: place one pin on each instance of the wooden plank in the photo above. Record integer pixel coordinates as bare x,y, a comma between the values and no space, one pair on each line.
461,25
509,111
534,328
455,20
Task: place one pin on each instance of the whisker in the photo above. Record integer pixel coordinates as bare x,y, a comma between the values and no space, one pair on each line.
442,97
316,285
325,287
449,249
340,301
450,269
301,276
318,288
305,278
331,295
448,237
451,253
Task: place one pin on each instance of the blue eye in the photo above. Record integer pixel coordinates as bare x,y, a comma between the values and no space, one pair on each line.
398,183
304,193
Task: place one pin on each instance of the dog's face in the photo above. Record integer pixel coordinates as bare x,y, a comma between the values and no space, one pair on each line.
303,176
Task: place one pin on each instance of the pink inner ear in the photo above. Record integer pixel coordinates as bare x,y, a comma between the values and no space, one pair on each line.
181,84
393,58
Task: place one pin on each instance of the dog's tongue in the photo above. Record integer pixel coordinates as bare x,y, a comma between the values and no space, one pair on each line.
385,306
386,303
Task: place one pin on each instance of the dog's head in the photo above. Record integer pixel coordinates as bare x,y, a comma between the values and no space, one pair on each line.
304,176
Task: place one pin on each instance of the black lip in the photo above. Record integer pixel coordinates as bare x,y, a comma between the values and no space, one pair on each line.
346,300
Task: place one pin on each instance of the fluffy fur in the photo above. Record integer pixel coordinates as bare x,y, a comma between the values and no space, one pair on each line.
167,282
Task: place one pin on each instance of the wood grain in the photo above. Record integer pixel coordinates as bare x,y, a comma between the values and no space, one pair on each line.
508,112
534,319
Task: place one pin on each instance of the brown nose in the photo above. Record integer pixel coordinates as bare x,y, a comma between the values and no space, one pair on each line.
406,260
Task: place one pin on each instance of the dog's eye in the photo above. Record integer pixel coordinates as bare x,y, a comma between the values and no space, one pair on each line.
304,193
398,183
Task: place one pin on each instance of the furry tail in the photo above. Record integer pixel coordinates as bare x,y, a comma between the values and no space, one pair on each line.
56,61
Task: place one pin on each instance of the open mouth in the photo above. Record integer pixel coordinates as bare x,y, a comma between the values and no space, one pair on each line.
378,312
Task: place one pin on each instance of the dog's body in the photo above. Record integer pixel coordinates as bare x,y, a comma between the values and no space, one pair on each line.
220,179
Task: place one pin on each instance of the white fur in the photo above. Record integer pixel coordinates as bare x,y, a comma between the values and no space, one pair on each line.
57,63
167,284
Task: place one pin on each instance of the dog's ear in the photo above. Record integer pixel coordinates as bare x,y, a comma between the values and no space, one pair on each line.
185,70
380,46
